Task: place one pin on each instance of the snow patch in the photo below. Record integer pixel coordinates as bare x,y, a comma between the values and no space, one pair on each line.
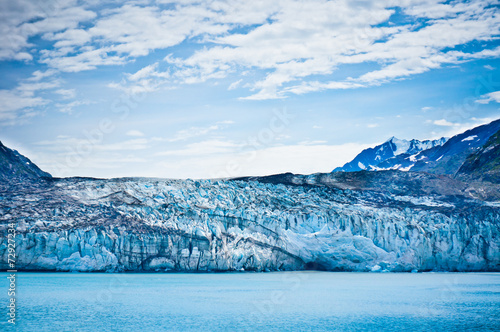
470,138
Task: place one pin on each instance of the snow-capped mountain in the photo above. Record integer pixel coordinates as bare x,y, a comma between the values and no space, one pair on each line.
370,158
442,156
352,221
448,158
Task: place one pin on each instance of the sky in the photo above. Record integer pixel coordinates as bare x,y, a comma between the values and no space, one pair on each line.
226,88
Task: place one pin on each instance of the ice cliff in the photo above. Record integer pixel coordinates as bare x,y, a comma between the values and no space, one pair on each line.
137,224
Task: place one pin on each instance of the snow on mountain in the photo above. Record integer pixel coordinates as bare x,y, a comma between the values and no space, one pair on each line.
442,156
448,158
371,158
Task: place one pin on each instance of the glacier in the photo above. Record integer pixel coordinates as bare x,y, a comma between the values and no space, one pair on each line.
144,224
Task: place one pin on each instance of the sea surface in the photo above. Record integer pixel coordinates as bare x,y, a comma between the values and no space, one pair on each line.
281,301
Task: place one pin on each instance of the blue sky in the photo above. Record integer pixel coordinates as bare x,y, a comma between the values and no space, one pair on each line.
203,89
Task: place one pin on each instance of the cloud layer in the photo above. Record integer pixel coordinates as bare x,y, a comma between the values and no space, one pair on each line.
292,47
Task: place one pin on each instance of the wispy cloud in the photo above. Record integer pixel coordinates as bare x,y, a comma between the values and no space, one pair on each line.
134,132
202,148
444,123
192,132
13,104
66,93
235,85
487,98
20,101
69,107
449,129
67,143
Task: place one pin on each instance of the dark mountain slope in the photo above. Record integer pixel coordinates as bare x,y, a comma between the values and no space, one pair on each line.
15,166
484,164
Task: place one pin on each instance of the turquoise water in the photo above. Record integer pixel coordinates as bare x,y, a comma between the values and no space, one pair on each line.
283,301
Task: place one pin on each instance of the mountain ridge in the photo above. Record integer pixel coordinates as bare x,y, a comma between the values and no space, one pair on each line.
368,159
16,167
443,156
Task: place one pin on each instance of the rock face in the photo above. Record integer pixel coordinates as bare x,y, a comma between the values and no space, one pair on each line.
297,222
448,159
484,164
16,167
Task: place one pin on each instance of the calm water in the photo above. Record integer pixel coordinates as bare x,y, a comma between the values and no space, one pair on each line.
294,301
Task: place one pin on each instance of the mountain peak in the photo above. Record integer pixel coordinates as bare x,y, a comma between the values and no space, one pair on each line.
394,139
392,149
441,156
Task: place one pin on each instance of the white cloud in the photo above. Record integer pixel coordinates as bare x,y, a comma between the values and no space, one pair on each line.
39,75
29,89
23,19
13,104
133,144
66,93
458,128
292,47
318,142
307,87
192,132
445,123
235,84
487,98
278,38
208,147
73,143
147,79
69,107
134,132
87,60
19,102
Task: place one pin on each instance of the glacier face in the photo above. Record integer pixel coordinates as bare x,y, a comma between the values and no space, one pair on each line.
138,224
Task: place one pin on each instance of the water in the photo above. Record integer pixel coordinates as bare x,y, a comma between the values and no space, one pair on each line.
293,301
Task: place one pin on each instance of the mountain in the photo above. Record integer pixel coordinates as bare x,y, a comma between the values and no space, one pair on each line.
448,158
370,158
14,166
484,164
443,156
